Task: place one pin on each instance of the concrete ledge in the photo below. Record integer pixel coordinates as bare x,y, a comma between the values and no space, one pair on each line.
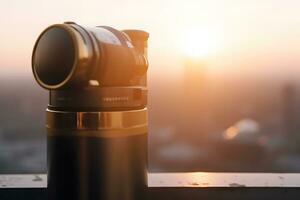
203,179
192,179
177,186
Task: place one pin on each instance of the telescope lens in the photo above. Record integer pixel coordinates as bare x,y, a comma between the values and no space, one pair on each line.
54,56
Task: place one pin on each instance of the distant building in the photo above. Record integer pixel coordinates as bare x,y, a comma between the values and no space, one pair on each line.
289,110
195,111
194,77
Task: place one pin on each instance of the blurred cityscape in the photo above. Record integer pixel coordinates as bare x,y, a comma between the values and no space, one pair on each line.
22,121
226,123
197,122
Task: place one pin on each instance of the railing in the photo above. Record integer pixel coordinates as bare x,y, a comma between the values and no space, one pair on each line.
178,186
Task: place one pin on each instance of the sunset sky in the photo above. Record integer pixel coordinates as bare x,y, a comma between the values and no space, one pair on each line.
237,35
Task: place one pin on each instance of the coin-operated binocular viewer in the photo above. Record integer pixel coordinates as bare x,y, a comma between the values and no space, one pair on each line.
97,116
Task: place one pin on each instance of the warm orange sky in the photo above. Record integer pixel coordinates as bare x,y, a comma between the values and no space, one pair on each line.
250,35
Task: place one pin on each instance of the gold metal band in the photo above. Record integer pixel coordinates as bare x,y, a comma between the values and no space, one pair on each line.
104,124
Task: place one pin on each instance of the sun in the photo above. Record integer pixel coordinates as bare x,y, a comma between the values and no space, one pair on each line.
199,43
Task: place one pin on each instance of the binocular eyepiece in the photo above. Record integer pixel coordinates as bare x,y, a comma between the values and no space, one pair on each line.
97,116
68,55
105,66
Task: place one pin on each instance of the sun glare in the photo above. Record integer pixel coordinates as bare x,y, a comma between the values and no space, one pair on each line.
199,43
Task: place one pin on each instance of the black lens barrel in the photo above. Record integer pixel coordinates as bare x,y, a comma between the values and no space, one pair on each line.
68,55
98,68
